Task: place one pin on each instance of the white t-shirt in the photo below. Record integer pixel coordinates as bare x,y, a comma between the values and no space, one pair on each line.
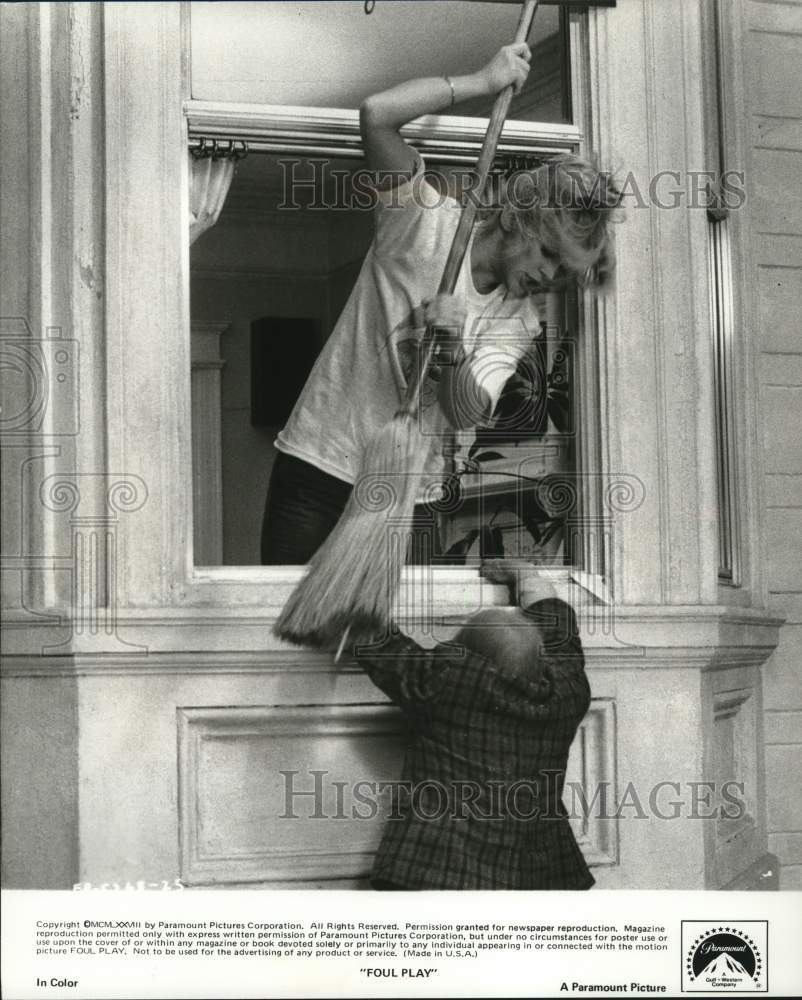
359,380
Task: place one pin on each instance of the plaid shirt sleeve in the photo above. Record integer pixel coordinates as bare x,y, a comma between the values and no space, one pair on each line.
405,671
558,626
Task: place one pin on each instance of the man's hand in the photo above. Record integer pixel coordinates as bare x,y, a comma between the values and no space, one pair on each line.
509,66
525,583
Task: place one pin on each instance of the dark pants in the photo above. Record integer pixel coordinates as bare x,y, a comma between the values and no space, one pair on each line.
303,506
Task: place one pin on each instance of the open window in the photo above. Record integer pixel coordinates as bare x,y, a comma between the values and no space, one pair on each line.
270,278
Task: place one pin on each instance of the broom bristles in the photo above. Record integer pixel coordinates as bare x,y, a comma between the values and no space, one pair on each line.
353,578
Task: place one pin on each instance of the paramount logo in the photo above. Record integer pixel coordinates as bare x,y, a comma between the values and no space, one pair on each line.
728,957
724,966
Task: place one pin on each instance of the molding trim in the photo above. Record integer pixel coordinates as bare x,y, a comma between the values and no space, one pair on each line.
593,752
189,641
283,128
206,856
207,448
736,726
180,664
205,342
207,738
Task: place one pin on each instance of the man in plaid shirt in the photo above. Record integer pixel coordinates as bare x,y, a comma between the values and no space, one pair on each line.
492,718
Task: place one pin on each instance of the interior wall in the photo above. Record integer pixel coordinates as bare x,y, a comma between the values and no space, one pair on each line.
774,59
243,272
257,263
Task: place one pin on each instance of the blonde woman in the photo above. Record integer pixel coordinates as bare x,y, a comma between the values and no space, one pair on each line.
551,226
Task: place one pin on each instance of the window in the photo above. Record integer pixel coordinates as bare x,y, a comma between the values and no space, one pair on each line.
325,54
282,256
275,279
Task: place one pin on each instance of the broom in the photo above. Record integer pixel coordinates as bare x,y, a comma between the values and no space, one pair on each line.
353,578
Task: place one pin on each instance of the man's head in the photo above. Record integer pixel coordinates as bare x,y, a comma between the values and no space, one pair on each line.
505,636
555,224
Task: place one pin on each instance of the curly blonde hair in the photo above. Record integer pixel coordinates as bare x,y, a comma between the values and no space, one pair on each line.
568,204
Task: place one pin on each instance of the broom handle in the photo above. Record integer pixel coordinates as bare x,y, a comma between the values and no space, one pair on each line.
459,245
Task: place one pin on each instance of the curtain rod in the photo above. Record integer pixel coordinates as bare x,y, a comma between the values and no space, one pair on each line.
201,147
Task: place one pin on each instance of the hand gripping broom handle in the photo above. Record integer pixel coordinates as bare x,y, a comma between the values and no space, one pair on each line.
459,245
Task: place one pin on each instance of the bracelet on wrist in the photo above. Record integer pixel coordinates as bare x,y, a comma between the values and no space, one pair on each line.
453,92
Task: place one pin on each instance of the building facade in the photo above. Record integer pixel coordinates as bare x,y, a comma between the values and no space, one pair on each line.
153,727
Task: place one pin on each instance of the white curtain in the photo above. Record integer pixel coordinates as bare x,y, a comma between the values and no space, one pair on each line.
210,179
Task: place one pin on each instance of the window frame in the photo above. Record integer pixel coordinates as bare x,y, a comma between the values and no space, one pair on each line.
143,172
288,129
724,319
